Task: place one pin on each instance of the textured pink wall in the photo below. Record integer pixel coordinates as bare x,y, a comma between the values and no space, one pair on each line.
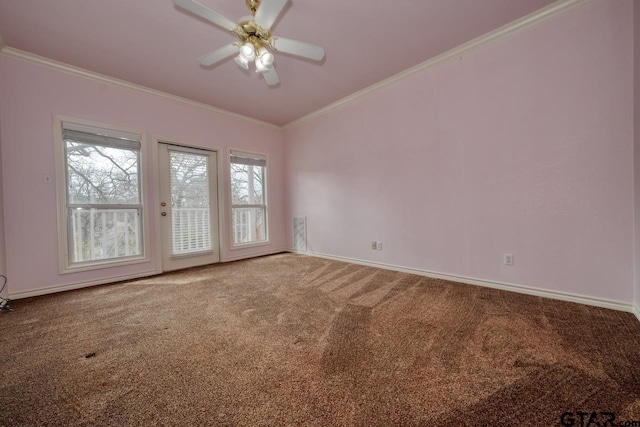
524,146
3,260
32,95
636,151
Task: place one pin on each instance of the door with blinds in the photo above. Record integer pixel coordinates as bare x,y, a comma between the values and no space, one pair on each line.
188,207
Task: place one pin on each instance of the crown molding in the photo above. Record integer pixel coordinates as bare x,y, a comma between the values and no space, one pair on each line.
513,27
102,78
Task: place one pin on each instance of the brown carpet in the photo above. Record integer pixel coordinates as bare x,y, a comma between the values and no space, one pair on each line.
296,340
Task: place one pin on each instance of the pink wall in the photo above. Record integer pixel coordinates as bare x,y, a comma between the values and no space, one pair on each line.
32,95
636,151
3,260
524,146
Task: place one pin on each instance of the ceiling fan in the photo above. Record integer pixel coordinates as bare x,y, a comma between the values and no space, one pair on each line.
256,41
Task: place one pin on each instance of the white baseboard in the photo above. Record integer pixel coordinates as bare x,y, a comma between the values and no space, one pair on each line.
562,296
78,285
254,255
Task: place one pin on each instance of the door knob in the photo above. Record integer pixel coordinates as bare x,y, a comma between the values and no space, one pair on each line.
163,214
163,204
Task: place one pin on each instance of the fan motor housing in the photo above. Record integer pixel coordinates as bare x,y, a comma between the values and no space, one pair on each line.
249,31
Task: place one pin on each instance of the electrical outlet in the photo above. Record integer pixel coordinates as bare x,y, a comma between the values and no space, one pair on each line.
508,259
379,245
374,245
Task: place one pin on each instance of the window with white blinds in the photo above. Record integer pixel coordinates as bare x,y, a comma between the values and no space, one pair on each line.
248,198
190,204
102,200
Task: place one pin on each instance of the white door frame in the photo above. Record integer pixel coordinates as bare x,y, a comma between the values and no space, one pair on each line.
217,189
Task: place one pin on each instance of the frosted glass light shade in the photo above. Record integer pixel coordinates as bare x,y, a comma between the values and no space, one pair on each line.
260,67
266,57
242,61
248,52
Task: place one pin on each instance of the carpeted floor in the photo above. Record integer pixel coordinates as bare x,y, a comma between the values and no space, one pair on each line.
296,340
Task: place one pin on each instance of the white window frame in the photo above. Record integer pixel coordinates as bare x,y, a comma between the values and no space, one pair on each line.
64,257
265,192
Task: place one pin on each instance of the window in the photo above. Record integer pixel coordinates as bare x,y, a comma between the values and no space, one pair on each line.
248,198
102,217
190,200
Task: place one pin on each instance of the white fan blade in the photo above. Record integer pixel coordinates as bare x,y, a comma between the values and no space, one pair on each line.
268,12
218,55
206,13
297,48
271,77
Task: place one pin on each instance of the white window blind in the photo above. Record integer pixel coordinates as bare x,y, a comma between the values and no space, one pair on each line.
190,205
248,159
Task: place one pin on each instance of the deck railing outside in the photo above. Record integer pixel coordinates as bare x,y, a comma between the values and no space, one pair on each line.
104,233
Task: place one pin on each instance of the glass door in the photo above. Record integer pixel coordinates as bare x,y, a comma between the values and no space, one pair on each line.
188,207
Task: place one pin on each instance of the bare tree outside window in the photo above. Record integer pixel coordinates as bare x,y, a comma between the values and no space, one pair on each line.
101,175
103,198
248,199
190,216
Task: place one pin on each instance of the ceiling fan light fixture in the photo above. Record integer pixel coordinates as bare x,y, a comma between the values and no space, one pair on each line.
254,34
265,57
242,61
248,52
261,67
